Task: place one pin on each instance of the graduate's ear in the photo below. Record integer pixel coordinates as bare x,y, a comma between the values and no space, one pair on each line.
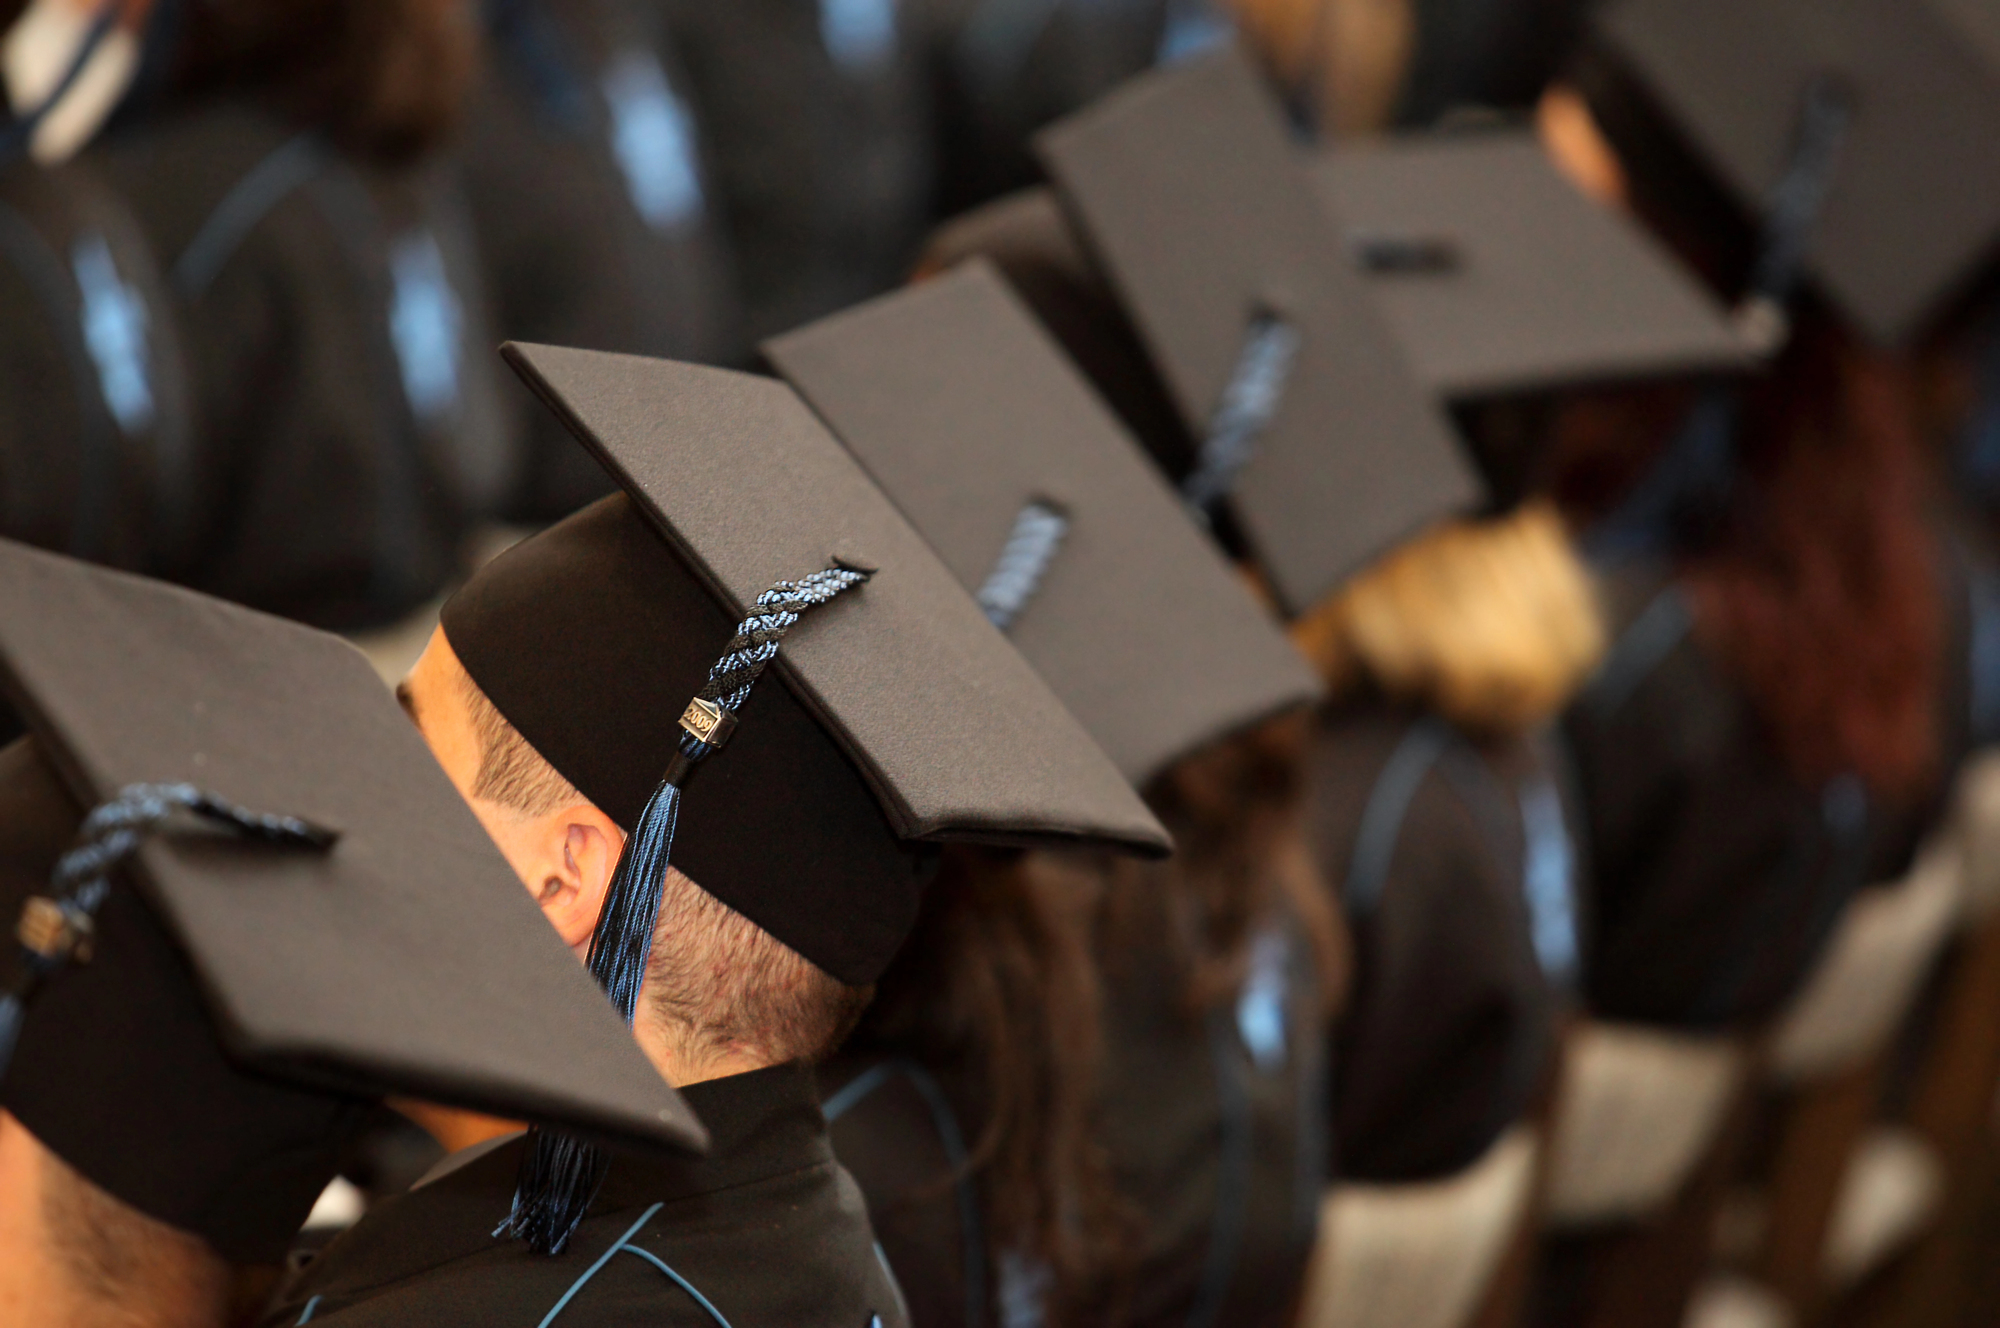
582,853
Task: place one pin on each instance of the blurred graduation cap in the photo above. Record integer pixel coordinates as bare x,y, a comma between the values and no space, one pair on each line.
901,717
994,446
355,933
1907,95
1500,278
1187,193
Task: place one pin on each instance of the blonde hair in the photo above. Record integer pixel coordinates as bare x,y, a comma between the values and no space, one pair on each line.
1493,624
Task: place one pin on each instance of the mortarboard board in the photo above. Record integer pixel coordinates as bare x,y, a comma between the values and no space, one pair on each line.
901,717
1187,192
1499,277
403,957
1913,209
994,446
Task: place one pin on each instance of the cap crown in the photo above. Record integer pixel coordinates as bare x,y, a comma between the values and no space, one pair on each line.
1537,286
966,412
1186,189
408,958
1914,210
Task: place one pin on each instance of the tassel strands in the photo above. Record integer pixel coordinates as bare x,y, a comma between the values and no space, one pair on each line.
560,1175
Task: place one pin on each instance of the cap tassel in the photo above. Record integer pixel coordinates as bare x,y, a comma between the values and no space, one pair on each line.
1250,402
560,1176
57,928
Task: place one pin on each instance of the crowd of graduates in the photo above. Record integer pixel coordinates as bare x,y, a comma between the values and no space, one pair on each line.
1474,811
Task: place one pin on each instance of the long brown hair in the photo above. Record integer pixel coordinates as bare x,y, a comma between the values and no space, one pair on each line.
385,79
997,985
1818,588
1235,810
1822,594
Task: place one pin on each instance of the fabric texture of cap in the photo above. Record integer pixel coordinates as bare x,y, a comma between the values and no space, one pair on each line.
407,958
1914,209
902,715
993,445
1499,277
1187,191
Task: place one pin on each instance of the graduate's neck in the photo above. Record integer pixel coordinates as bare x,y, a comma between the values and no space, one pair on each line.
681,1065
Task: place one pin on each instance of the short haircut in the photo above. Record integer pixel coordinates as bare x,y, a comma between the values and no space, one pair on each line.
716,982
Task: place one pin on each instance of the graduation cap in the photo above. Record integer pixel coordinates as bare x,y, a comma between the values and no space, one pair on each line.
1185,189
994,446
1912,87
898,717
1500,278
328,909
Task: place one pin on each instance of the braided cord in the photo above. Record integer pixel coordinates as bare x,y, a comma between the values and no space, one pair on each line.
1039,529
1249,403
758,637
561,1174
59,926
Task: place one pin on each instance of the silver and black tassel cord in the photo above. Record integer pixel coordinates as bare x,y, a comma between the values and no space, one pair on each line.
560,1175
1039,529
1693,476
1249,403
58,928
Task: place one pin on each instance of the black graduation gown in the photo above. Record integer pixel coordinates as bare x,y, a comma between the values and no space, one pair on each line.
96,441
1459,965
1006,68
587,189
1718,875
902,1132
768,1230
343,370
1215,1122
819,140
1215,1126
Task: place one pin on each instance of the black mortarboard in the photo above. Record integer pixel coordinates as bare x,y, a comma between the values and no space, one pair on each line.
1913,209
902,717
1499,277
1187,191
995,448
403,957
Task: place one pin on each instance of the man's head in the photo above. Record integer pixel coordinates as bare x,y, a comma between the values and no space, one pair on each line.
722,995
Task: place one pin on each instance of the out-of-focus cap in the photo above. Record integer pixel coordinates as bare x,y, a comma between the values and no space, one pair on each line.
405,958
1914,209
1186,189
898,714
1499,277
994,446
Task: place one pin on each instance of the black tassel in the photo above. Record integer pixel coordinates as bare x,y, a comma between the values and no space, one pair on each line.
560,1176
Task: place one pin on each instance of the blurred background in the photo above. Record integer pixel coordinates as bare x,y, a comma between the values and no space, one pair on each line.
255,256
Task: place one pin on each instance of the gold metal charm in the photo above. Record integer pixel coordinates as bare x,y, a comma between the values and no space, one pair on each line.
47,929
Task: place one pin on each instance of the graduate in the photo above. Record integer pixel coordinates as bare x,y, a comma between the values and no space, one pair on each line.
738,869
219,963
279,157
1248,354
1221,963
97,440
593,208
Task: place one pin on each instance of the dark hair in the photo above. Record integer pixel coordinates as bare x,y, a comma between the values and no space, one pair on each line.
1822,593
996,986
1818,586
1235,811
385,79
